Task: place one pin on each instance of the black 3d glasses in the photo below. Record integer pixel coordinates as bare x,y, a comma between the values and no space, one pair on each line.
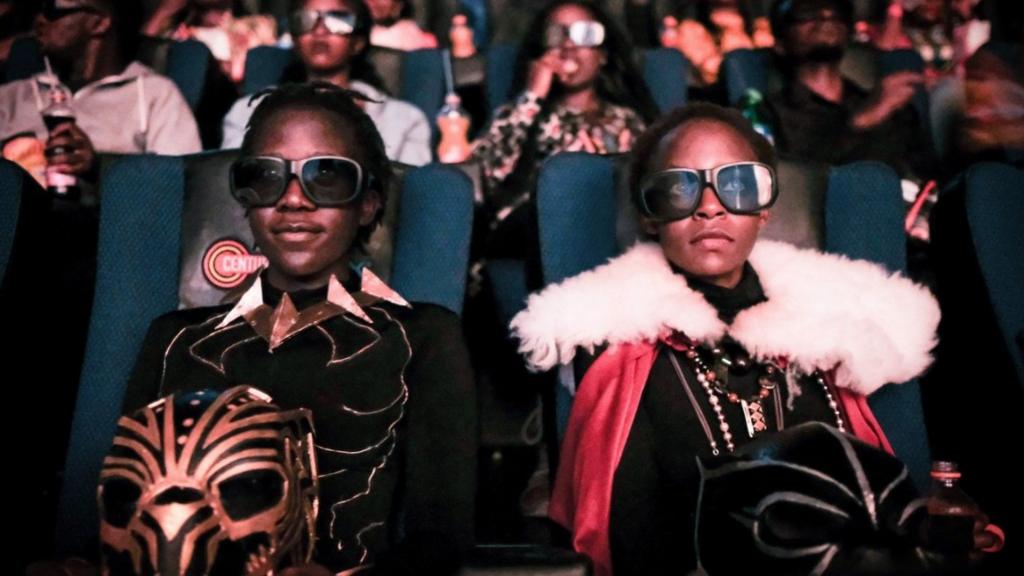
258,181
741,187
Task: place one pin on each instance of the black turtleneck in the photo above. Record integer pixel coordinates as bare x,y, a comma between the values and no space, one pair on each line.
655,486
729,302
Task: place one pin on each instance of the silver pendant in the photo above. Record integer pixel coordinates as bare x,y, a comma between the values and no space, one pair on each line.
747,419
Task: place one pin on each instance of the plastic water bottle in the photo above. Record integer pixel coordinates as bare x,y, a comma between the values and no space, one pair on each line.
453,124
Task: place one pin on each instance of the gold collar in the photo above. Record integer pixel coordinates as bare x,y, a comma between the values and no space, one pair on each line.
276,325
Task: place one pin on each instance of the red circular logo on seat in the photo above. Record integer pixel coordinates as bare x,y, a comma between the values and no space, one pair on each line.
228,262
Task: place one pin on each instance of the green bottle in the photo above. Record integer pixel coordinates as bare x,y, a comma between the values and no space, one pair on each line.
749,104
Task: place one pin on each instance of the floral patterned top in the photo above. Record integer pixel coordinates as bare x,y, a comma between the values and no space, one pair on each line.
610,130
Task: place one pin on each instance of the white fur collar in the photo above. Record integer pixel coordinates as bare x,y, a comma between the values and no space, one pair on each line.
823,311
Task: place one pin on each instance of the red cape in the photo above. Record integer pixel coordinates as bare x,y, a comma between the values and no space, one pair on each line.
601,419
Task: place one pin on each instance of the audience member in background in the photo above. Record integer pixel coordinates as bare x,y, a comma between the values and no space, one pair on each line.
394,26
969,31
992,127
941,31
220,24
718,27
120,105
578,91
331,38
821,115
389,383
944,32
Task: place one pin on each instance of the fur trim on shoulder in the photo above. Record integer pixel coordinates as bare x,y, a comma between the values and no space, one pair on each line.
633,297
823,311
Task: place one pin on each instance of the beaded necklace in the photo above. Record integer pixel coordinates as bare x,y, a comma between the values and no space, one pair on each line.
714,379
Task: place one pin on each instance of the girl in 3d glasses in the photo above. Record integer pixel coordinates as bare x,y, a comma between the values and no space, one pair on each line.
388,382
704,340
331,38
578,92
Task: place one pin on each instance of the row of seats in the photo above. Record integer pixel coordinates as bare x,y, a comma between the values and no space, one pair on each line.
584,217
418,77
415,77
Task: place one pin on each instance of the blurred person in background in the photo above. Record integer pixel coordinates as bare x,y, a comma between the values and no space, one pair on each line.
223,25
716,28
394,26
992,126
578,91
820,115
331,38
120,106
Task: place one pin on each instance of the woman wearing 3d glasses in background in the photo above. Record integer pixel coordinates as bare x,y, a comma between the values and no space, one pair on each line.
331,38
389,383
579,92
706,340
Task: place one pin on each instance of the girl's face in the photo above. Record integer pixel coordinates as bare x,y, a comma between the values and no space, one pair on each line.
580,66
323,52
712,244
304,243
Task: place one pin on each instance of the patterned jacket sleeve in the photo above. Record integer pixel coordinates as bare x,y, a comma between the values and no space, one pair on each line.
500,147
636,126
